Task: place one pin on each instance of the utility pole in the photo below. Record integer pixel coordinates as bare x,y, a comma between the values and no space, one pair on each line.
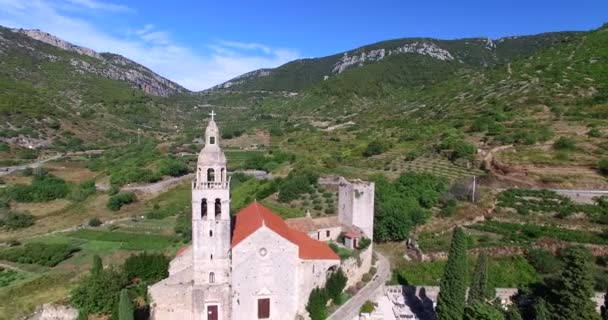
138,132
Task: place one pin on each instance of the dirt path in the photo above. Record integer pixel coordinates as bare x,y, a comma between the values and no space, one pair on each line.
159,187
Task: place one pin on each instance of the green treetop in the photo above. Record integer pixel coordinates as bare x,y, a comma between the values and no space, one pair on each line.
453,286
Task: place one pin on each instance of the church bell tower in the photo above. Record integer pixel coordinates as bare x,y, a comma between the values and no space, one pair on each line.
211,230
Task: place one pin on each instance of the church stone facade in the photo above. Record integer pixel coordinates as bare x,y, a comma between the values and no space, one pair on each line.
254,265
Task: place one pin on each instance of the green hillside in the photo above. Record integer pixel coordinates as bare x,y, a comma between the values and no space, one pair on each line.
464,53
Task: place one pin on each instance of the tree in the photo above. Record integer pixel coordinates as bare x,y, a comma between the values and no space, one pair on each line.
98,294
453,286
513,314
317,304
482,311
540,310
604,308
97,265
479,291
147,267
125,307
574,287
335,285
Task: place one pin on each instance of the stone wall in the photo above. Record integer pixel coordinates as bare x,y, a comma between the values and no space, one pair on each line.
54,312
355,268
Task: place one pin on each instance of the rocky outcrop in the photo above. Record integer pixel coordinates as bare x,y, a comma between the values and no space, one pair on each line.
424,48
54,312
108,65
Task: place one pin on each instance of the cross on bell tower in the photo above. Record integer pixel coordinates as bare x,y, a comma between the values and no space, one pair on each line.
212,114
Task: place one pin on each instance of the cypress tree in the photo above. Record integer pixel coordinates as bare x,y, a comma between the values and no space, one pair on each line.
540,310
604,308
479,287
574,287
125,307
97,265
453,286
317,304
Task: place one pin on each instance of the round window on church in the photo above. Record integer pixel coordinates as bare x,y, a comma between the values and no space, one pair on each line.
263,252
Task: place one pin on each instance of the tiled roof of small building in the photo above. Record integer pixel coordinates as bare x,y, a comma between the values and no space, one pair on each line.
308,224
256,215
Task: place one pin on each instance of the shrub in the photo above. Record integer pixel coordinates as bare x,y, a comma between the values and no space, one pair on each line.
564,143
374,148
543,261
367,307
43,254
82,191
366,278
449,208
94,222
17,220
293,187
364,243
27,172
116,202
602,166
594,133
173,167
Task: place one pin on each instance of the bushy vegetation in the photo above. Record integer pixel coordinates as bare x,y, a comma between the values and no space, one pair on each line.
403,204
43,254
43,188
117,201
296,184
527,201
602,166
8,276
375,148
317,304
16,220
527,233
147,267
80,192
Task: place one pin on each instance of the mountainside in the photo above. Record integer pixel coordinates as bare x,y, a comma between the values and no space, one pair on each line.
56,95
108,65
461,53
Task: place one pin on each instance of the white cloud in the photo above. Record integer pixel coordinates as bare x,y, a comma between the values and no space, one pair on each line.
147,45
99,5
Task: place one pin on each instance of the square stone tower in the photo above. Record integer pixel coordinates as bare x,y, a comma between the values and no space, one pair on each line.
211,231
356,205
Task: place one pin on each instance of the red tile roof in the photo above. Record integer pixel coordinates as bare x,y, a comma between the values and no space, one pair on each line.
351,235
256,215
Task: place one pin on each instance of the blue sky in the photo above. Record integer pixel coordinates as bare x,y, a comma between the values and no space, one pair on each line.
202,43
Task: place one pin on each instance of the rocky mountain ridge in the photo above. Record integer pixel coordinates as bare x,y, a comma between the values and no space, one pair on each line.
468,52
108,65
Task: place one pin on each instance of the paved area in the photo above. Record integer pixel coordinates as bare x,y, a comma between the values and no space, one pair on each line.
351,308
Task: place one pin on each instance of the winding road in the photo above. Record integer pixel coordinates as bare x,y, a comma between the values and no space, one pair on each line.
35,164
351,308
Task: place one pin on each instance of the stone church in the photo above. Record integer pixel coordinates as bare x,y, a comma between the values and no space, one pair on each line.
255,265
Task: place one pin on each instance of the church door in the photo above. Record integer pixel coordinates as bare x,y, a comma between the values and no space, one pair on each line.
212,313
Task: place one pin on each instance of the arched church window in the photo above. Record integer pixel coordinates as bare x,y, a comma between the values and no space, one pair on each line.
211,277
223,174
211,257
218,207
211,140
210,233
203,208
210,175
